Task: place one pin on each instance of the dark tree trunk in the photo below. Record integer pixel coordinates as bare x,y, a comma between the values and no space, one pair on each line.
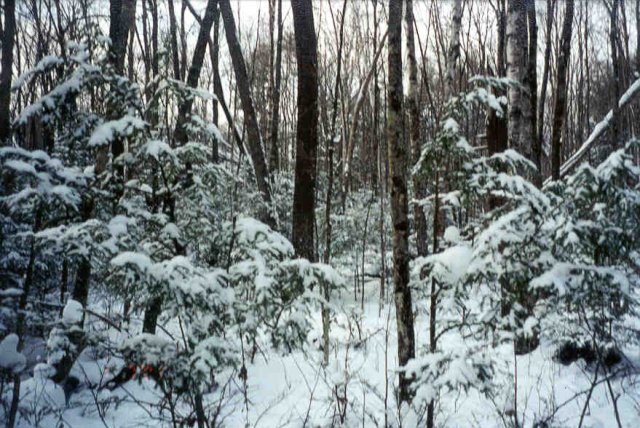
497,132
531,81
398,156
561,90
274,154
307,130
8,40
255,145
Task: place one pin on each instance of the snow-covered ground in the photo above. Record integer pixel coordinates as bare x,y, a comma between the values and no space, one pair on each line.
296,390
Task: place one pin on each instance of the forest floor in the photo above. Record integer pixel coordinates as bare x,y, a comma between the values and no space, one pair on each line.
295,389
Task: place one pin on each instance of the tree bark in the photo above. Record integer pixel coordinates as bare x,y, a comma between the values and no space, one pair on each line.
173,38
414,117
561,90
8,40
307,130
516,69
453,51
531,101
256,150
274,154
399,204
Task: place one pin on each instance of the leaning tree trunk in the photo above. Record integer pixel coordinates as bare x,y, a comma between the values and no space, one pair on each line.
184,110
398,157
8,39
307,130
561,90
255,145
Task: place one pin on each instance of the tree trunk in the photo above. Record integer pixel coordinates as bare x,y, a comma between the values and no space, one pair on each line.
274,155
8,39
497,132
516,69
613,35
545,73
531,101
307,130
173,37
184,110
399,206
414,117
256,150
561,90
453,52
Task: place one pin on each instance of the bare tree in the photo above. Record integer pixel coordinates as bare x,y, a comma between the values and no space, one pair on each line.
561,90
8,39
414,117
398,156
184,110
274,154
255,144
307,130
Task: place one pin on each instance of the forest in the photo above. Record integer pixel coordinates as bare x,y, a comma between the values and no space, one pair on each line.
320,213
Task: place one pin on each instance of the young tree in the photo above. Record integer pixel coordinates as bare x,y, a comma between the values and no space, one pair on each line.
398,156
307,130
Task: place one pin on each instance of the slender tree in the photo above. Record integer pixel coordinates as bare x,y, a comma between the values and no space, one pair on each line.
414,118
173,38
8,39
255,143
184,110
274,153
398,157
561,90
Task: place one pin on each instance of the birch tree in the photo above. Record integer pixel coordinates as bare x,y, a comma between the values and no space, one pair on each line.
398,156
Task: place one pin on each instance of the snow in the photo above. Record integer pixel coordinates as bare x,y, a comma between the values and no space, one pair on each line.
73,312
141,261
108,131
452,235
10,358
156,148
598,130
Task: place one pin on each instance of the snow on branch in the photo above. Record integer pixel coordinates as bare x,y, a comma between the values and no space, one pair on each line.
598,130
